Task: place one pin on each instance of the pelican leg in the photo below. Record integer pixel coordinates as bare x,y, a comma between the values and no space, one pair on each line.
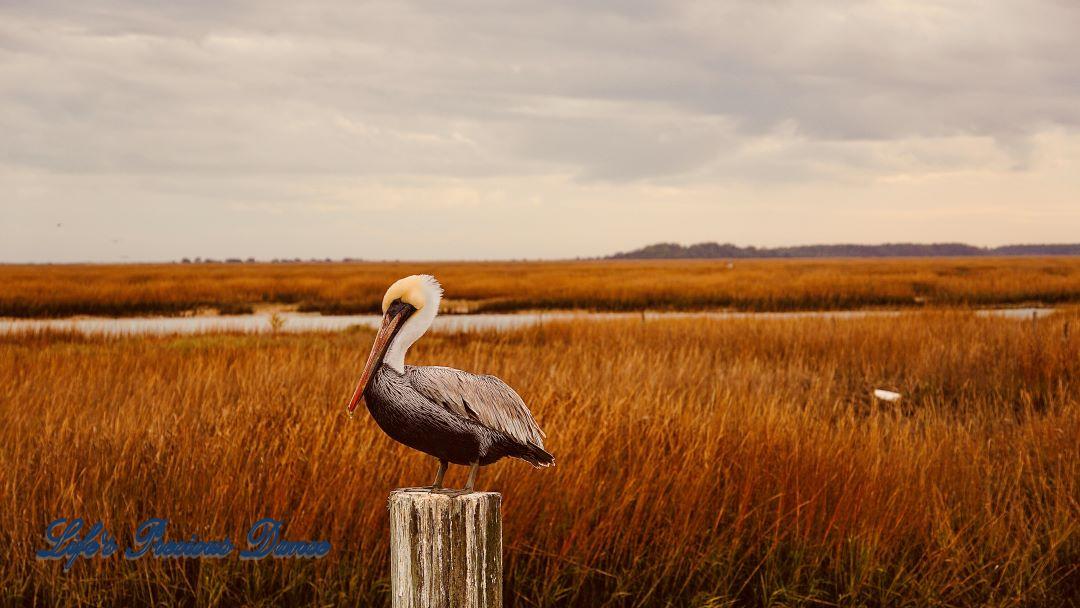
438,476
472,476
438,480
468,484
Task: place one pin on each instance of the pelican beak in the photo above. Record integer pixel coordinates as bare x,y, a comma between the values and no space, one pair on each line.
391,323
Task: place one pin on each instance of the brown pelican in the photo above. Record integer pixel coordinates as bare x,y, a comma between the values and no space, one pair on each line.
452,415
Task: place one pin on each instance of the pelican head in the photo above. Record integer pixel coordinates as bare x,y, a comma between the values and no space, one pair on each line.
409,307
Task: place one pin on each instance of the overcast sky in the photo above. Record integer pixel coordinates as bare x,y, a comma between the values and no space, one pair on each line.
153,130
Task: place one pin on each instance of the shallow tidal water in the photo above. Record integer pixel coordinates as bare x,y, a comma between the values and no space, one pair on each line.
303,322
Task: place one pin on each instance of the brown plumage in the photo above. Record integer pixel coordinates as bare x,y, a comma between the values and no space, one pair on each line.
485,399
452,415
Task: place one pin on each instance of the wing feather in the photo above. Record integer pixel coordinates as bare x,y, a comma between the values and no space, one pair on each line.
485,399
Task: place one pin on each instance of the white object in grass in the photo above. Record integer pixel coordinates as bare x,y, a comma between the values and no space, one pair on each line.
885,395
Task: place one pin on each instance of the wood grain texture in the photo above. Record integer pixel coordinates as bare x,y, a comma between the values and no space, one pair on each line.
445,551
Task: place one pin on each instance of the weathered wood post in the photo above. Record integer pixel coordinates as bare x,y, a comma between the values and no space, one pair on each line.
445,551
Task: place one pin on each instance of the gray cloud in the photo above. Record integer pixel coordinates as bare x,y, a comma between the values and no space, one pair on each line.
683,94
439,88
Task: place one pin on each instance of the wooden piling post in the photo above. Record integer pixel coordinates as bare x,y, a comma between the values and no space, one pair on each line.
445,552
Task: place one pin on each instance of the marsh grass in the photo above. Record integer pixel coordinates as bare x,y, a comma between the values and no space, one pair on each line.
738,462
775,285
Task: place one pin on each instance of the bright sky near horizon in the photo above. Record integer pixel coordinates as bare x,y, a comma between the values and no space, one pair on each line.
484,129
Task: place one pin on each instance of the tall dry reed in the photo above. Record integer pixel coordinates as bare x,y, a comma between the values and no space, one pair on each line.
699,463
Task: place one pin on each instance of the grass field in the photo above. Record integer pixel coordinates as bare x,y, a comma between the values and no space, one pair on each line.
702,464
56,291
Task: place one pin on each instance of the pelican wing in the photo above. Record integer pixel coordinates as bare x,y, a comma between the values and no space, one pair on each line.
485,399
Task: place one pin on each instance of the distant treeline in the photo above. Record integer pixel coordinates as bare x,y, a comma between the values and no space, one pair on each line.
273,261
887,250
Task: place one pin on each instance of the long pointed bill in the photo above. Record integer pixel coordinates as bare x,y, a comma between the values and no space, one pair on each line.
378,351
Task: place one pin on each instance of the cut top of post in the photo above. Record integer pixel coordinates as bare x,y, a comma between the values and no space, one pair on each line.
445,551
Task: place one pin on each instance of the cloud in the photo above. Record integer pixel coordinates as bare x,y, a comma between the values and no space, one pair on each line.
431,88
220,96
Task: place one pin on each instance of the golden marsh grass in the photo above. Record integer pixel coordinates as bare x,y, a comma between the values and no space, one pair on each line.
139,289
737,462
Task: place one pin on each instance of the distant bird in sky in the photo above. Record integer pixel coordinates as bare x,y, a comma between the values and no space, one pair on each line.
452,415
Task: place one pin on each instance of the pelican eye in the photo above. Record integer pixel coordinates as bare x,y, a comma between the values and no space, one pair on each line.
399,305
